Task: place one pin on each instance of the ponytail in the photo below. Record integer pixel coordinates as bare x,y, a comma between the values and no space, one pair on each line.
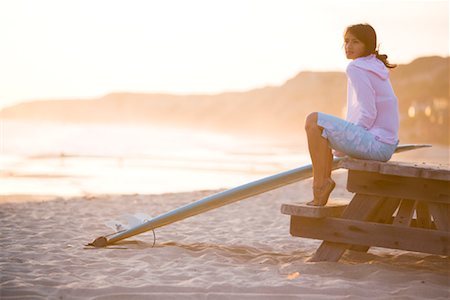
383,58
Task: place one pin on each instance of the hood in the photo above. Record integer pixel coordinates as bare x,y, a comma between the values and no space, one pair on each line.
372,64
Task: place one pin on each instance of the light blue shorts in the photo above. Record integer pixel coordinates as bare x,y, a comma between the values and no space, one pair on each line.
353,140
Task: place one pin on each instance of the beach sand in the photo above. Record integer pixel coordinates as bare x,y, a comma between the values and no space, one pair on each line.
240,251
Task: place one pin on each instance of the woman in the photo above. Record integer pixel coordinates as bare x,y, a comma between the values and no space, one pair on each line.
370,130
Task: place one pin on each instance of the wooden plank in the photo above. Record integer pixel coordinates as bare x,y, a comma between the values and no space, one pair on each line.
405,213
385,212
401,170
429,171
361,208
345,231
329,251
436,174
383,215
360,165
423,215
398,187
426,171
334,208
440,213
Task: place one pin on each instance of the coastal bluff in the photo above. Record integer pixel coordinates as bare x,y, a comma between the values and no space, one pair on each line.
422,87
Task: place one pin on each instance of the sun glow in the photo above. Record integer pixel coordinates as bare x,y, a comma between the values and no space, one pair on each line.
70,49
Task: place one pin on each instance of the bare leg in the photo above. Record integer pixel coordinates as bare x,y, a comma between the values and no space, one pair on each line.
322,160
318,150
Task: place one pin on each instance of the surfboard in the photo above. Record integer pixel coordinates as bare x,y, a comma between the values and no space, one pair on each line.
226,197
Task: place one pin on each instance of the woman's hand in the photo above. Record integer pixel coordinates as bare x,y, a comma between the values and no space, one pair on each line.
338,153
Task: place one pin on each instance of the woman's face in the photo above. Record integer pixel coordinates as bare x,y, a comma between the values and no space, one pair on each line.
354,48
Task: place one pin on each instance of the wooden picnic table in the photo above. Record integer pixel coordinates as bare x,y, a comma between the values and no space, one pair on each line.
396,205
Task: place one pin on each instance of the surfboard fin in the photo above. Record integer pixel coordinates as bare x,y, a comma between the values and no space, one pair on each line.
99,242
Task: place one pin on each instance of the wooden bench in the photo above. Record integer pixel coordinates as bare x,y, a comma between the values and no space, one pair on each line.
396,205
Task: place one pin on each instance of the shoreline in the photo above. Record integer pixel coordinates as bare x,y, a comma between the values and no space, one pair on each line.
48,179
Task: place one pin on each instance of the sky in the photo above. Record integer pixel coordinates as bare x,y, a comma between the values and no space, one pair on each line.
60,49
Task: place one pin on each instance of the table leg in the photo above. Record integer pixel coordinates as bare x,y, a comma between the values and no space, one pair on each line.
360,208
441,215
405,213
423,215
386,211
382,215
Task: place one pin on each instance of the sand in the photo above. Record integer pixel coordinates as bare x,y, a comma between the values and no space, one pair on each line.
240,251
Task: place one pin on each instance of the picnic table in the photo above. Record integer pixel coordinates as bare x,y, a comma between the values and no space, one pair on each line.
396,205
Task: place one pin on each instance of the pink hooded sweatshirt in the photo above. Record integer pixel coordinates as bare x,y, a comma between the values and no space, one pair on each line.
371,102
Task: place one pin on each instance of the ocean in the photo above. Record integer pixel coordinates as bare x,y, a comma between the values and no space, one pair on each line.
67,159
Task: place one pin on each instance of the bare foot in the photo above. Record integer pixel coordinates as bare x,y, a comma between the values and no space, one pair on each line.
322,193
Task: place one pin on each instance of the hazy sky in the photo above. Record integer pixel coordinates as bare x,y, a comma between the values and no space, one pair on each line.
79,49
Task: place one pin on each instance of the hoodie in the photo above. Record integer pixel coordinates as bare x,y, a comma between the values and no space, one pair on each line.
371,102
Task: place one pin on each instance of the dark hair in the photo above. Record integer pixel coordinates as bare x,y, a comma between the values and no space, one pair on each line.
366,34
